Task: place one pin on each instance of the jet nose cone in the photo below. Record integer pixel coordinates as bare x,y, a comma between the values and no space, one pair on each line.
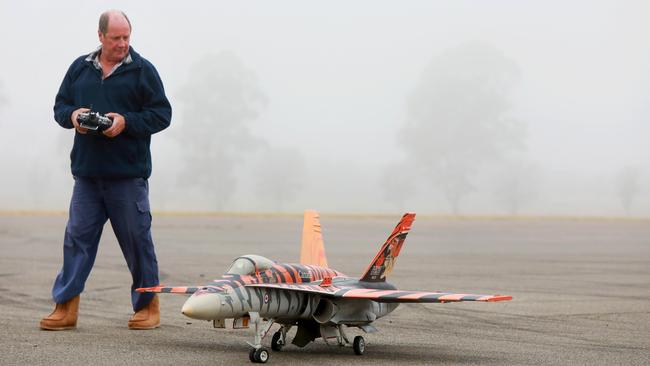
204,306
187,309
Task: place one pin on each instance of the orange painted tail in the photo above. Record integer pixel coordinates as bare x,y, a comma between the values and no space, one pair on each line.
312,250
382,265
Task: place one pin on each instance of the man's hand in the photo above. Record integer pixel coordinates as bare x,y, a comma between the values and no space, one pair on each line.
118,125
73,117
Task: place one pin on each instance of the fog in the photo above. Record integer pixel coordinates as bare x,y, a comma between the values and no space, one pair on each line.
438,107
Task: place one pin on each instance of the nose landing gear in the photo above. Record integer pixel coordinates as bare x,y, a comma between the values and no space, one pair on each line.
259,354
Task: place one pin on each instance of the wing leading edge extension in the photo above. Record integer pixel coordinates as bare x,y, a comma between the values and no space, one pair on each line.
383,295
170,290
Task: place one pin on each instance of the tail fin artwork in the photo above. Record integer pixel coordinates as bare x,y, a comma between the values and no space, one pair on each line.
382,265
312,250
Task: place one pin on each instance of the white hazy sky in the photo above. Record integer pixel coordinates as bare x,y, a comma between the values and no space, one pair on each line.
337,75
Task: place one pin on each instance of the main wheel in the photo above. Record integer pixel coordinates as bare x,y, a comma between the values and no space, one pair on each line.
251,355
276,341
359,345
261,355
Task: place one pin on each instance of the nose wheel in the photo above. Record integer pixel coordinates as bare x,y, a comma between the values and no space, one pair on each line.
258,355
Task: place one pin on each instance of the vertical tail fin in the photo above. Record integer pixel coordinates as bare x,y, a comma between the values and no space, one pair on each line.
312,250
382,265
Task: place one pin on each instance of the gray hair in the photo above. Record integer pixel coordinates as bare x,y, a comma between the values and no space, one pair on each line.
103,20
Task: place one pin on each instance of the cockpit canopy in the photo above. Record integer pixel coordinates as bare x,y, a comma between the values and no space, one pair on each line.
249,265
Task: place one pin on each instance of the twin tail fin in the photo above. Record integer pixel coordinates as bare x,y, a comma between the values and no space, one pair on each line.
383,263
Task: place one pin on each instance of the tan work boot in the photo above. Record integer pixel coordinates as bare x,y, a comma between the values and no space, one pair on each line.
148,317
63,317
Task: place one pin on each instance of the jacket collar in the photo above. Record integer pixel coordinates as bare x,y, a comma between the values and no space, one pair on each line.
132,58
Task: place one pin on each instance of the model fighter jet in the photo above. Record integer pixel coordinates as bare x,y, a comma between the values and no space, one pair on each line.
319,300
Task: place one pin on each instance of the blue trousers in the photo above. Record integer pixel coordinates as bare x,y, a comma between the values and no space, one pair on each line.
126,203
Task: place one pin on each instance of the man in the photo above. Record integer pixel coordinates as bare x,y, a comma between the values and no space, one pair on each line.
110,169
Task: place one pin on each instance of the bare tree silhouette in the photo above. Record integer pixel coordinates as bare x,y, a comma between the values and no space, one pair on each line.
517,183
398,184
280,176
220,99
628,186
3,98
458,117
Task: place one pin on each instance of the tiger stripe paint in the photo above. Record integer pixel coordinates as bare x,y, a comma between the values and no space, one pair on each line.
381,295
383,263
290,272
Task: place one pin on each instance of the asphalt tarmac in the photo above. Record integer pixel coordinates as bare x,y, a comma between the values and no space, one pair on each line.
581,292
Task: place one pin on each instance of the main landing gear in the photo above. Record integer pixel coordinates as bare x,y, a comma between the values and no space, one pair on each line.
259,354
279,338
358,344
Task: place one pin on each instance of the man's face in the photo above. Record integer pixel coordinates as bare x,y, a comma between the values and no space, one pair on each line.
115,43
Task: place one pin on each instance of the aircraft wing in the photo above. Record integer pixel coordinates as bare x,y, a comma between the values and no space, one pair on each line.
169,290
418,296
383,295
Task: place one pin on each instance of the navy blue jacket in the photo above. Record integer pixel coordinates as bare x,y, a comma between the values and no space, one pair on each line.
136,92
